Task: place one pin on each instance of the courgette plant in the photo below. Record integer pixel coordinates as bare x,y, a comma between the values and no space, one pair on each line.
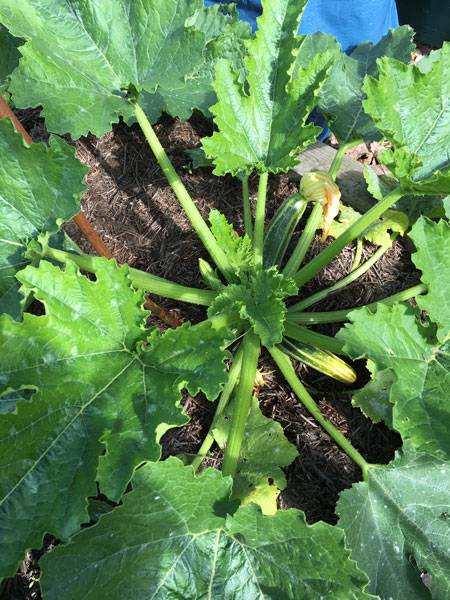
87,391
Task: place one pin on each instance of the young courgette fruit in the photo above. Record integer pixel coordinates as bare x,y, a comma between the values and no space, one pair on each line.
280,230
320,360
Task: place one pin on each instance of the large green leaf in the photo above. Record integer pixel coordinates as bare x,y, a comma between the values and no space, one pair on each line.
432,241
409,358
393,338
262,122
259,300
313,44
410,107
224,36
102,398
81,59
265,449
9,57
172,538
40,187
397,526
341,98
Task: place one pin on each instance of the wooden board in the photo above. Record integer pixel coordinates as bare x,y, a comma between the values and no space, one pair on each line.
351,180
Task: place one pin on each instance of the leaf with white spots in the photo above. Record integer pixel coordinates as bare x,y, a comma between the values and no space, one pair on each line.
175,536
105,390
397,526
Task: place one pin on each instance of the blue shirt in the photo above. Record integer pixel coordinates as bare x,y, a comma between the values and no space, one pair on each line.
350,21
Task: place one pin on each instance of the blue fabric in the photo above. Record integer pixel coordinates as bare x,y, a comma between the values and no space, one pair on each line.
350,21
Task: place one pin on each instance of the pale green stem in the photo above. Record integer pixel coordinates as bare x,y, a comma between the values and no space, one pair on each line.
247,209
335,166
260,215
358,254
350,234
313,338
339,316
285,365
312,225
145,281
251,349
233,377
342,283
192,212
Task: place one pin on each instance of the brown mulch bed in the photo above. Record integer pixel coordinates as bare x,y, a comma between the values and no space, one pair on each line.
130,203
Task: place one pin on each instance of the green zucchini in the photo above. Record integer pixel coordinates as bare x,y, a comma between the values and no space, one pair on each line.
281,229
320,360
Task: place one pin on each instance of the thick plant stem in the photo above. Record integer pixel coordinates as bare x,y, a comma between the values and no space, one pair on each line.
335,166
339,316
342,283
233,377
192,212
354,231
358,254
285,365
305,240
250,350
248,225
139,279
260,214
306,336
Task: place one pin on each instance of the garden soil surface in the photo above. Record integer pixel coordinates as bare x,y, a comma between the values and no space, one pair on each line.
132,206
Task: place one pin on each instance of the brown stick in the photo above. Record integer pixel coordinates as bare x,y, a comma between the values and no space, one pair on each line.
5,111
92,236
86,228
166,316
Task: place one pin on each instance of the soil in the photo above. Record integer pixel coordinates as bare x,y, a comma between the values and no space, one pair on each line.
132,206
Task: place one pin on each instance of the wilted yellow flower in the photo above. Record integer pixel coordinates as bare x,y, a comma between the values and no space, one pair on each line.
318,186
